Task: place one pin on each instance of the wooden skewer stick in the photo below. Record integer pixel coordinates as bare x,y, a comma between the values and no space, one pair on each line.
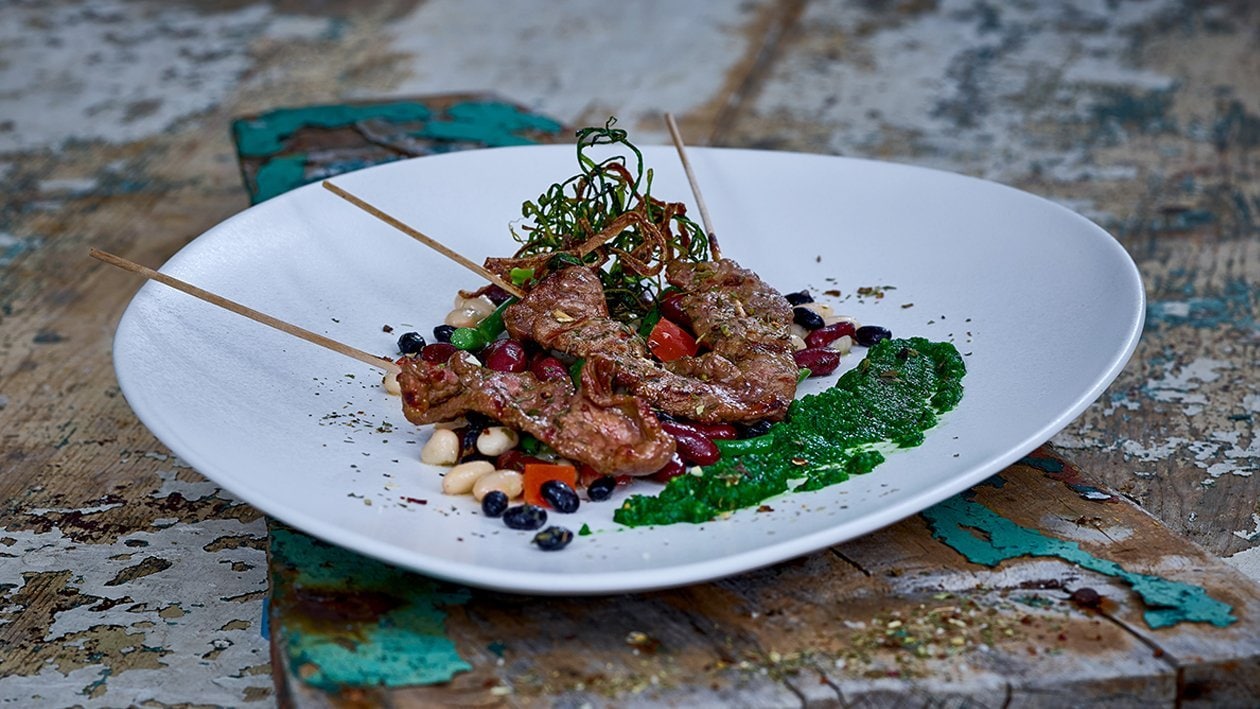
695,186
214,299
424,239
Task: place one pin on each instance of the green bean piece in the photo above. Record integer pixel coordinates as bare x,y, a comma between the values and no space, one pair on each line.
474,338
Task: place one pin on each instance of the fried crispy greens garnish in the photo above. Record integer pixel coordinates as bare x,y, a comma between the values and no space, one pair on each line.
607,218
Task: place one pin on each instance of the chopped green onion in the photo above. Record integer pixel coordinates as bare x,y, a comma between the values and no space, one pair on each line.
474,338
529,444
649,321
521,276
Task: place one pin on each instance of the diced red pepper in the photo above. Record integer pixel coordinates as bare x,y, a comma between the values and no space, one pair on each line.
669,342
538,473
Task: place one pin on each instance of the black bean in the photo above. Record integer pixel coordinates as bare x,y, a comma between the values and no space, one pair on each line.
553,538
525,517
494,503
602,488
759,428
469,435
799,297
807,318
560,496
868,335
442,333
411,343
478,419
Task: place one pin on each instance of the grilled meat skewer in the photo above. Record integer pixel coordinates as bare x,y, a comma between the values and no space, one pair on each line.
749,374
614,434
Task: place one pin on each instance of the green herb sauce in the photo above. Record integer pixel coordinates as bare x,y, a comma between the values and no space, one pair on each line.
890,398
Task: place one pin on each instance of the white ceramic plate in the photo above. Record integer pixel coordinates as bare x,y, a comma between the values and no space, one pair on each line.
1046,306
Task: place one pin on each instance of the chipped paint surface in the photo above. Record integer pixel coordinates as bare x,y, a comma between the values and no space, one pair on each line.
349,620
953,86
454,46
131,609
1248,562
1168,602
386,131
113,132
135,74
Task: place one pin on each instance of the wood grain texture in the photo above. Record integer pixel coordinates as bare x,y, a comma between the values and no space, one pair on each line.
893,617
1141,115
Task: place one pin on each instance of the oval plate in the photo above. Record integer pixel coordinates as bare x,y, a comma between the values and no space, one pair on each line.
1045,305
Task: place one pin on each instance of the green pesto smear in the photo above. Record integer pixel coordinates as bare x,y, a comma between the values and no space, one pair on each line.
891,398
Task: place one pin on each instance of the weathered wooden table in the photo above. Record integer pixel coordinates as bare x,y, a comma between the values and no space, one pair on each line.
1115,566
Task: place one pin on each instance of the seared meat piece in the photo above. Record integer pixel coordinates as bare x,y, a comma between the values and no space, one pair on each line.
614,434
745,323
746,379
567,312
731,309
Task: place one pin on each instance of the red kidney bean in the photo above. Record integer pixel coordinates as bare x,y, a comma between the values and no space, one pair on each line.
819,360
672,469
693,445
505,356
438,352
720,431
496,294
671,309
828,334
723,431
548,368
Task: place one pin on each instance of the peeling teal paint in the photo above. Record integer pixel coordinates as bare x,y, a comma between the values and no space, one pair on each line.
1121,109
489,123
1035,601
1235,127
278,176
367,623
1234,306
99,682
265,135
985,537
481,123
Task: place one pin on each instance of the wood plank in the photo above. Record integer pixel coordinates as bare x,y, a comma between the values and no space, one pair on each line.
1150,132
894,616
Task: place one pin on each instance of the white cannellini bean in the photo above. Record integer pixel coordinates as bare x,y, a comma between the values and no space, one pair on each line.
508,482
799,331
833,319
798,342
460,479
496,440
842,344
469,311
390,382
822,309
442,448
